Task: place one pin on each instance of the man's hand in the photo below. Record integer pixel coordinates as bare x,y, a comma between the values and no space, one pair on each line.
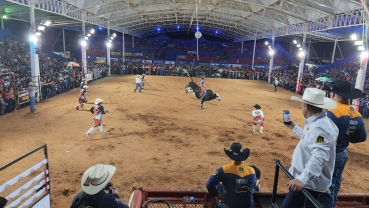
292,125
219,196
295,185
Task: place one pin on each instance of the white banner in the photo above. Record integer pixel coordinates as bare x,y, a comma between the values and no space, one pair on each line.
170,62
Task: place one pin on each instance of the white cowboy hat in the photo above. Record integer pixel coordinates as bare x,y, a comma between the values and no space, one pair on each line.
85,86
98,100
138,75
96,177
316,97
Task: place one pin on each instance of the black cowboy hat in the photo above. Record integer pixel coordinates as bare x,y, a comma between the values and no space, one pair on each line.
236,152
257,171
3,202
257,106
345,90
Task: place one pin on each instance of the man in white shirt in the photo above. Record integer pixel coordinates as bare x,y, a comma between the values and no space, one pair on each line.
275,83
138,83
313,159
258,118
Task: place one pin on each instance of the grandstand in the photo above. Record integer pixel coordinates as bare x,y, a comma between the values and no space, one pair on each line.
170,128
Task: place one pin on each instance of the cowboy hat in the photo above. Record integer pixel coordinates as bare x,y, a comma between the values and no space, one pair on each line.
236,152
96,177
345,90
85,86
257,106
138,75
316,97
98,100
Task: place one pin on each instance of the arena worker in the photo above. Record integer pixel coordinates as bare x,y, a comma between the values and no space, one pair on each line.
234,183
96,193
82,99
258,118
138,83
98,110
313,158
351,129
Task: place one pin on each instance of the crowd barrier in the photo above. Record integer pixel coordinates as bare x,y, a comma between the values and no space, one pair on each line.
35,191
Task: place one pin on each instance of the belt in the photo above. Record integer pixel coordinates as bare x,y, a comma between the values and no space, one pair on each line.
341,152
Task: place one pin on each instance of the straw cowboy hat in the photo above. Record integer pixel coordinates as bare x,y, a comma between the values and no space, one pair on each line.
138,75
98,100
236,152
96,177
345,90
316,97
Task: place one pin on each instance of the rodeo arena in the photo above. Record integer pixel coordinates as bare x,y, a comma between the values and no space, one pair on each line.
184,103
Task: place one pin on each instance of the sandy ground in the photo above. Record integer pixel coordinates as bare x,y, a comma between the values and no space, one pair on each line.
160,138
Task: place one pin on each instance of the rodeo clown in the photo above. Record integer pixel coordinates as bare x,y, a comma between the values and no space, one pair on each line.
202,88
143,81
97,110
258,117
82,97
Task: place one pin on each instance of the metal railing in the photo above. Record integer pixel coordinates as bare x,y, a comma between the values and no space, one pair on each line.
308,196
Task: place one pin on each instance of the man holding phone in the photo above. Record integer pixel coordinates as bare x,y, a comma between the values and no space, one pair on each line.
313,158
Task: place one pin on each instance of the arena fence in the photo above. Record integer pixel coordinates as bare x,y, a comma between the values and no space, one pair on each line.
35,192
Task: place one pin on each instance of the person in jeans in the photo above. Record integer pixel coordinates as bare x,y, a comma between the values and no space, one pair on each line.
138,83
3,104
312,162
32,96
351,129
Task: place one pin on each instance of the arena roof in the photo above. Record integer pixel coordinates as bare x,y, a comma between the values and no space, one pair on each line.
230,19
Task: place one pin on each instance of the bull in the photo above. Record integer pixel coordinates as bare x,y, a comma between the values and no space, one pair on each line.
210,95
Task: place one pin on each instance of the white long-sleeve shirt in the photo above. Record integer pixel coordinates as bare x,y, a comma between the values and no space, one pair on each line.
258,115
314,156
138,80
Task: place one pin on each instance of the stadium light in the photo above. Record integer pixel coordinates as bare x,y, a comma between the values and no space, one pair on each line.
109,41
178,27
89,35
114,35
361,48
358,42
266,43
38,33
33,38
92,31
4,17
112,38
364,55
353,37
47,23
294,42
300,49
298,45
301,54
86,38
41,28
108,44
271,53
83,43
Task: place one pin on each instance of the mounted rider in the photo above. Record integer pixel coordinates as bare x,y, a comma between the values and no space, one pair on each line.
202,88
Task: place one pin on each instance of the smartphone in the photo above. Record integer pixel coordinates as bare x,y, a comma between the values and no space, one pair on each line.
286,117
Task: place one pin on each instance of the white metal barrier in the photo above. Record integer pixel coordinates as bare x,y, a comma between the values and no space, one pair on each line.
34,192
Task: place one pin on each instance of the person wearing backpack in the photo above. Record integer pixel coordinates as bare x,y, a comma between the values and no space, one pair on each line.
94,195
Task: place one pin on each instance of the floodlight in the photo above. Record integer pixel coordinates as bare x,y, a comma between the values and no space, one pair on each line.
358,42
108,44
4,17
114,35
83,43
41,28
109,41
38,33
364,55
294,42
112,38
298,45
300,49
86,38
266,43
353,37
92,31
33,38
301,54
47,23
361,48
89,35
271,52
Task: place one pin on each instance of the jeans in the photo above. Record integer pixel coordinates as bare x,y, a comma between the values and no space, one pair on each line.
138,85
203,95
3,106
275,88
329,200
32,101
297,199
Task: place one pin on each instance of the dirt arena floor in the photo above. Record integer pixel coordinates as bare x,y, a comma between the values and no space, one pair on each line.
160,138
